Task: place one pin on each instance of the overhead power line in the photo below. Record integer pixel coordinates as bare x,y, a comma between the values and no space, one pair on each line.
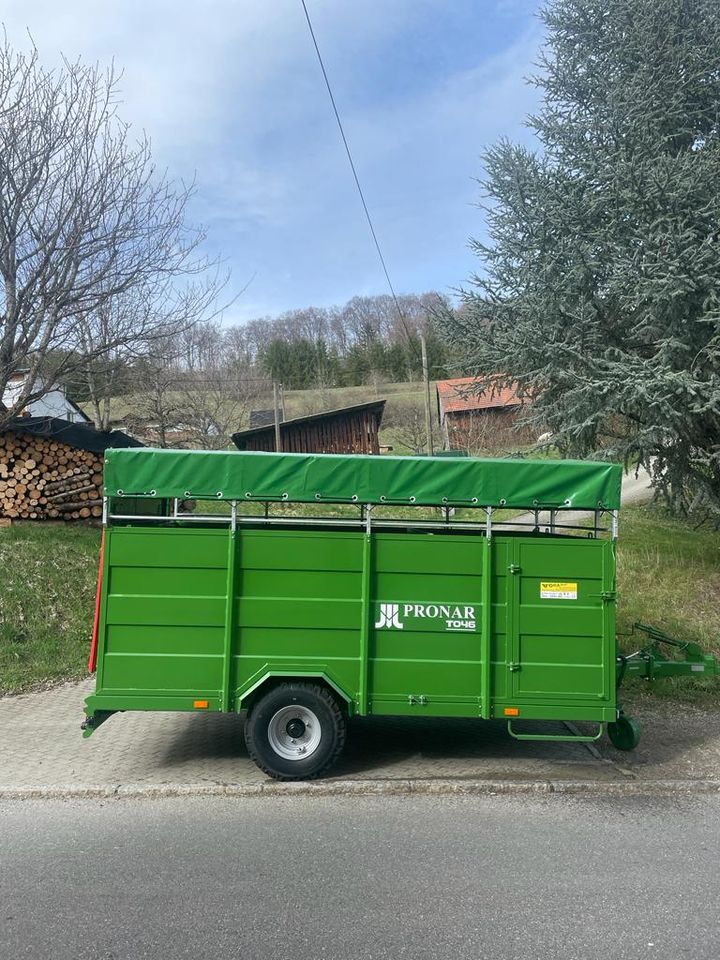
355,177
420,354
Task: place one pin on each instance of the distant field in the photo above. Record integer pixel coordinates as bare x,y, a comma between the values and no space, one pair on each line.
668,575
298,403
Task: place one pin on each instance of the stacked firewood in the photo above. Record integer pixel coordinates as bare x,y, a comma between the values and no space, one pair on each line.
43,479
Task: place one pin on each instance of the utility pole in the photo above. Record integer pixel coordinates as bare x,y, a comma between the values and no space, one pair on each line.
426,390
276,409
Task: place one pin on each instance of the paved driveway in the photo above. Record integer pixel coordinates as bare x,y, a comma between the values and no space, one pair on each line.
42,747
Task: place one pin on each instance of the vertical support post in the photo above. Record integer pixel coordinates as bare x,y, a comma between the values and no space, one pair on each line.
486,623
102,612
365,613
229,610
426,391
276,412
609,593
553,516
92,660
615,522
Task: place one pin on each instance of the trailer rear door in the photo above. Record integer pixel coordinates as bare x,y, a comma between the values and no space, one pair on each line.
563,619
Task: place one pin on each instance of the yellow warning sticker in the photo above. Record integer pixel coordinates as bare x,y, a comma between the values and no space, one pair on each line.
558,590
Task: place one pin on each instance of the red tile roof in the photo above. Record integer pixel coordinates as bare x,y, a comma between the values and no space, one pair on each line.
471,393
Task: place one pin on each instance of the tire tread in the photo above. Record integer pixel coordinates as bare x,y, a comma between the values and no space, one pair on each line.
339,729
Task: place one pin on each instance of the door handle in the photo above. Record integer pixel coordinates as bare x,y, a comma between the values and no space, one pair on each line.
607,596
513,667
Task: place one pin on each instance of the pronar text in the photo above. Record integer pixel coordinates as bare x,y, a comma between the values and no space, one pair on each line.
454,617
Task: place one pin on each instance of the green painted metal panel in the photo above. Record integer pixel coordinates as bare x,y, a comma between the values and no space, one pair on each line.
307,614
425,640
167,640
147,610
163,613
404,623
168,581
264,642
336,478
196,548
559,645
333,551
300,584
194,673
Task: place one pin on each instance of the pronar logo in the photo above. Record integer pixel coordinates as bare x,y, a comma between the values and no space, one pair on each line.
448,617
389,616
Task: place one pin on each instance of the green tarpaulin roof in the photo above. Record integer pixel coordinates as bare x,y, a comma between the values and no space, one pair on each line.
337,478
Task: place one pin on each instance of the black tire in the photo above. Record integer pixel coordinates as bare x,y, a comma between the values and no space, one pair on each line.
624,733
295,719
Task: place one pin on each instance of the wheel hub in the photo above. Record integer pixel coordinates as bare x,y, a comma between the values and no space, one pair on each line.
294,732
295,728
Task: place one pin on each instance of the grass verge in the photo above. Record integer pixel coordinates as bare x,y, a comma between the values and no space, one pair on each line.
669,576
47,596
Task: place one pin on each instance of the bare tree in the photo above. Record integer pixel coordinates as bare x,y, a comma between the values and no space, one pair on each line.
94,245
215,402
156,408
215,388
405,422
130,327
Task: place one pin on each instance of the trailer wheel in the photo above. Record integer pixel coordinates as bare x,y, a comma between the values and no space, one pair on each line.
624,733
295,732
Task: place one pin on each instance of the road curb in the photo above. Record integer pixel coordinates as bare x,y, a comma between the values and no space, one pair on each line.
354,788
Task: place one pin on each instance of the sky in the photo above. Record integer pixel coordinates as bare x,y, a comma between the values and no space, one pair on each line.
231,94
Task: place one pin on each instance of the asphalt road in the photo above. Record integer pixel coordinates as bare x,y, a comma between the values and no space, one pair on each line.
370,878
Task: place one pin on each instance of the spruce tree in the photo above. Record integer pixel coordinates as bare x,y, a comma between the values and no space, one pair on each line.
599,290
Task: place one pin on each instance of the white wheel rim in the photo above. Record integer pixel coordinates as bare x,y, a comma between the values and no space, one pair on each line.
294,732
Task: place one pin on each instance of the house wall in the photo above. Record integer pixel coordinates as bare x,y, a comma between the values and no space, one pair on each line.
484,430
53,403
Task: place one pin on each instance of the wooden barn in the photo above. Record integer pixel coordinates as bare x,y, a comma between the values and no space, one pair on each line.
477,414
347,430
51,469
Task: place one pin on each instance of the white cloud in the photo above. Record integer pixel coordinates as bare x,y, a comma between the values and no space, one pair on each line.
232,90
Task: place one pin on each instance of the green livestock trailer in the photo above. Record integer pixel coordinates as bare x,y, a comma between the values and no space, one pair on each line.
307,589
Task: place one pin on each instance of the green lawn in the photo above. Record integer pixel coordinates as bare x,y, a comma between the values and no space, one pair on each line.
47,596
668,575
